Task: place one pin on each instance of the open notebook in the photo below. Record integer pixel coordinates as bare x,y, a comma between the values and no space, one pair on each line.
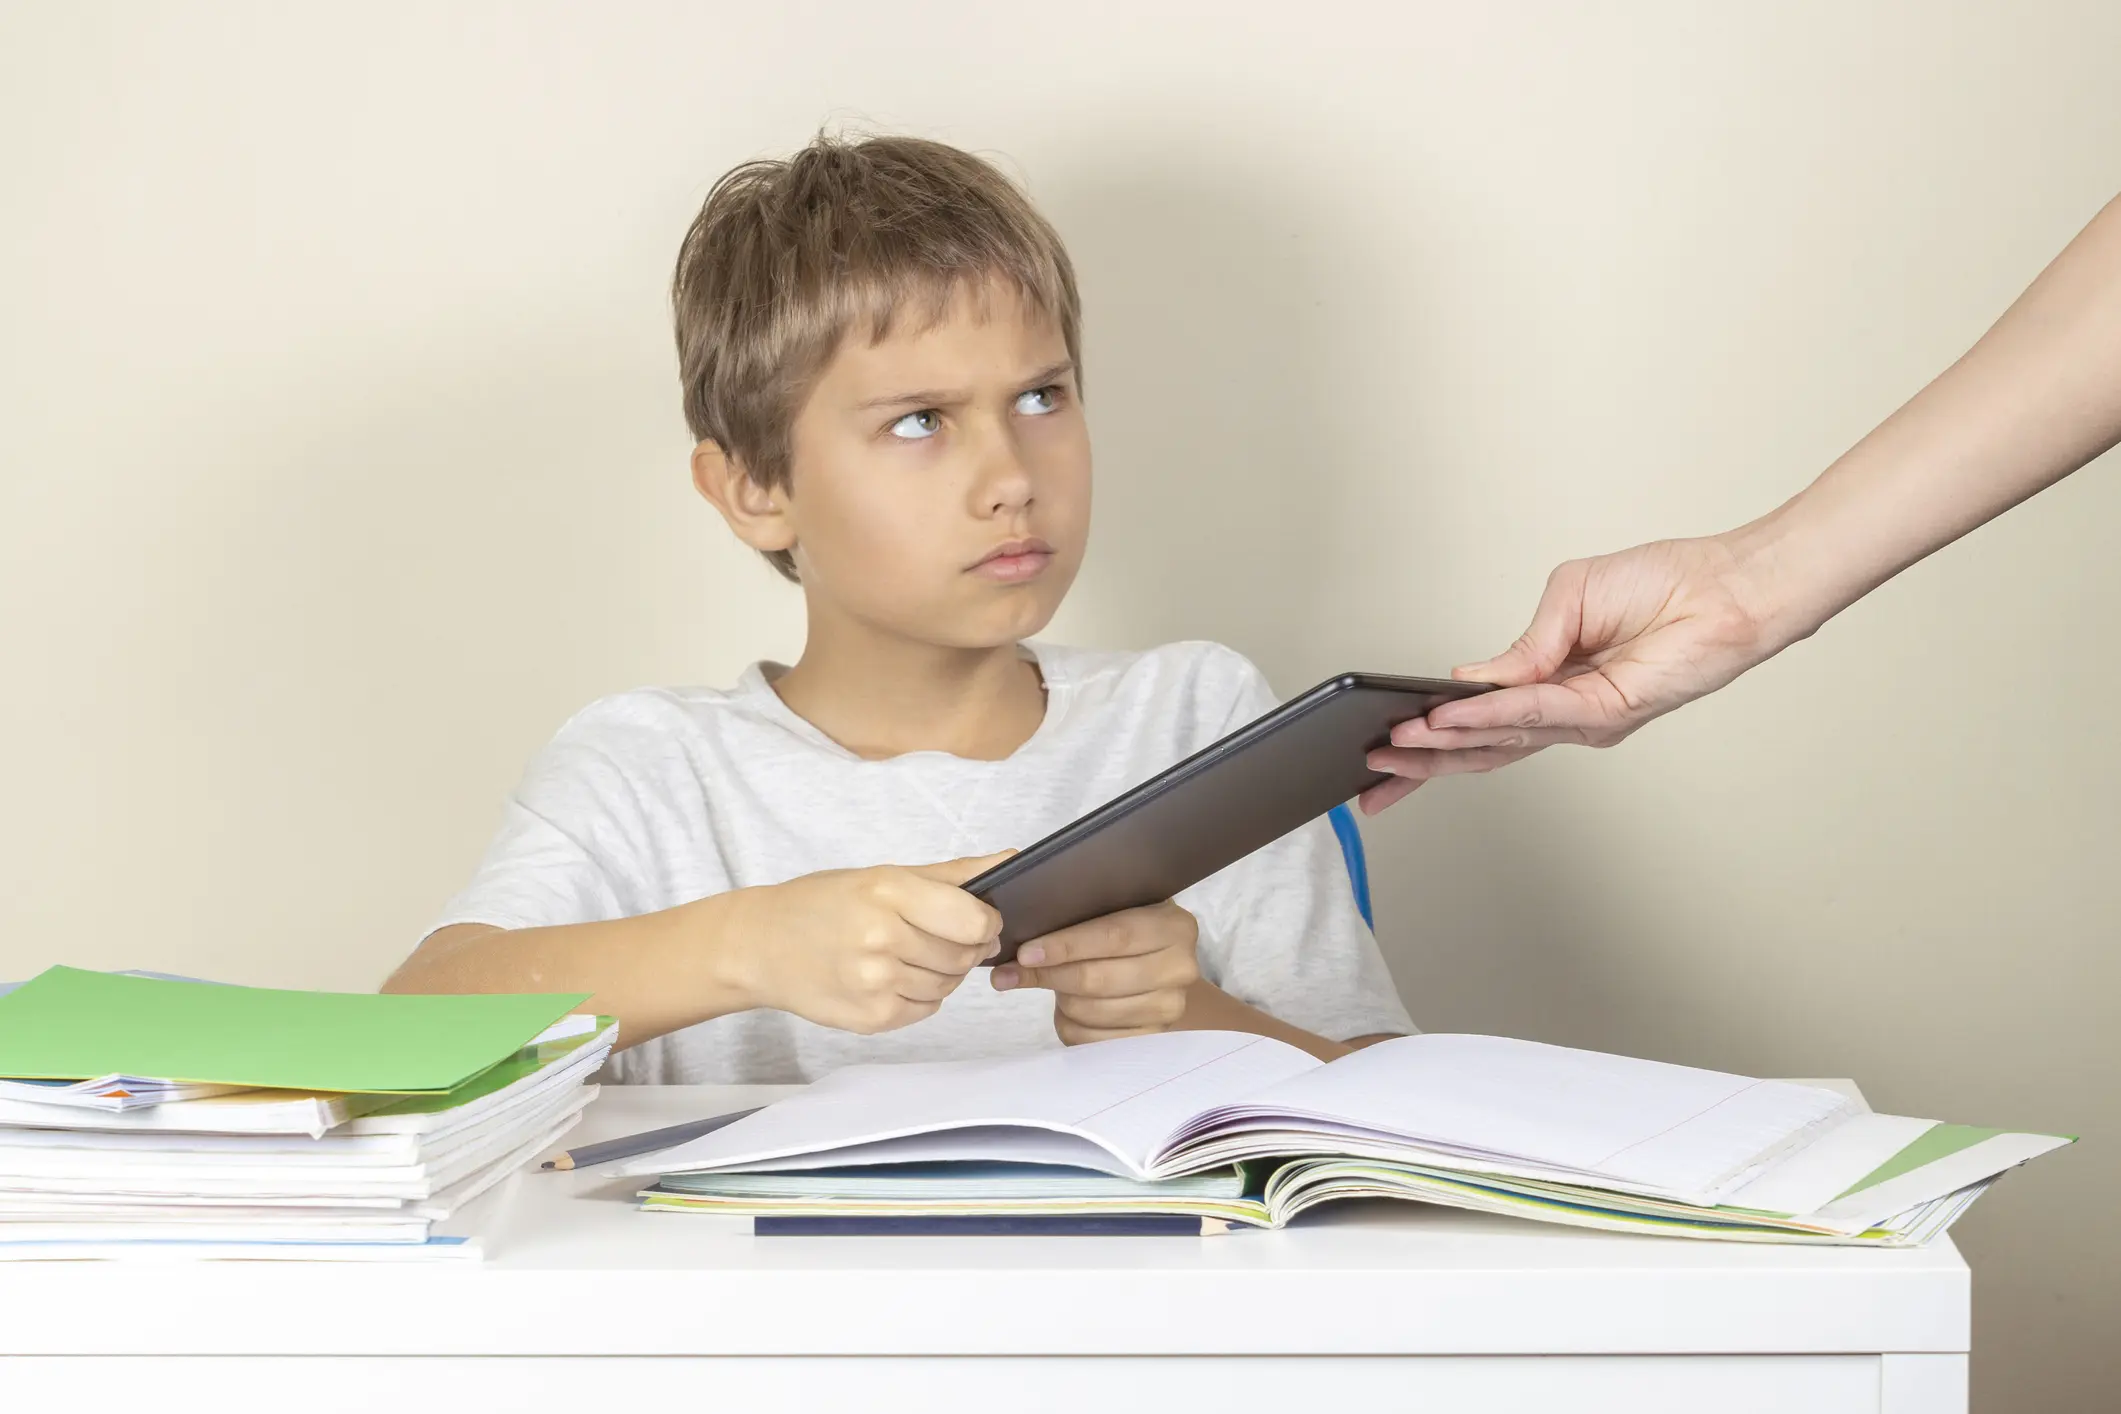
1469,1121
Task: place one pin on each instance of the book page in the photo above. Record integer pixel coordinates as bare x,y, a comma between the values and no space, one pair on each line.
1830,1165
1125,1097
1668,1127
994,1144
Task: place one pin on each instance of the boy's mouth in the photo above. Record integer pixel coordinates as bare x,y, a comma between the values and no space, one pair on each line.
1014,561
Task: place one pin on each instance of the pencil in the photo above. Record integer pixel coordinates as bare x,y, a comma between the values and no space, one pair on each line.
986,1225
647,1142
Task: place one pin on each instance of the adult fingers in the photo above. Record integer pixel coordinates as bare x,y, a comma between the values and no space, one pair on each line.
1467,738
1425,765
1573,704
1386,794
1547,643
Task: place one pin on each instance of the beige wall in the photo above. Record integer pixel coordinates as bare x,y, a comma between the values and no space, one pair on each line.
340,458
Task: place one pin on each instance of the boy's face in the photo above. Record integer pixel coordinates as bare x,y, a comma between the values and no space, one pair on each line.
939,488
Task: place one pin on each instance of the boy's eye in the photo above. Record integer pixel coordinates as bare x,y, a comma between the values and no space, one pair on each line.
915,426
1038,402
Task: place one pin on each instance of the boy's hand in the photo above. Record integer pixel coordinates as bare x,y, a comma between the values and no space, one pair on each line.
862,950
1125,974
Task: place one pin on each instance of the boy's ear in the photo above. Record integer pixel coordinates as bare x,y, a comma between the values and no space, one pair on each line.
758,516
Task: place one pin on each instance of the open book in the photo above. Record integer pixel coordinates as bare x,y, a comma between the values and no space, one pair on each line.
1470,1121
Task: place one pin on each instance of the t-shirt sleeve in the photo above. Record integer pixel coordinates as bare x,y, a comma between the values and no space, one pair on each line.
576,835
1280,929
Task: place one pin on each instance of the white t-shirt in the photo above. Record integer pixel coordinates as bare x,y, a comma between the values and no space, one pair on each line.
656,797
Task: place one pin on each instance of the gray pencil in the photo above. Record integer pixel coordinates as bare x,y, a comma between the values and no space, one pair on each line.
645,1143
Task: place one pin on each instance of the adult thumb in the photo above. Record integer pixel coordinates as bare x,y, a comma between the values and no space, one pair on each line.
1542,648
959,872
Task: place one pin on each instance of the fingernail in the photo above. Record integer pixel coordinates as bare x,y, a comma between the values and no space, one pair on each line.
1004,977
1032,955
993,948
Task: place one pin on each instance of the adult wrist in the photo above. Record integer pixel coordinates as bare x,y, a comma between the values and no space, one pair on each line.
1783,576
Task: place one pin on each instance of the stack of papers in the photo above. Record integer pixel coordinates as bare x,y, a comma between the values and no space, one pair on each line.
107,1092
1480,1122
144,1117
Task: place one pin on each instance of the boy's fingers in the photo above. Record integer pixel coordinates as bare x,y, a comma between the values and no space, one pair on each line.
959,872
935,906
919,948
1128,934
1105,977
925,984
1117,1013
1074,1033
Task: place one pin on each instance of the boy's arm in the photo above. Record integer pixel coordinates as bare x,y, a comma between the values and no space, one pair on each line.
861,950
656,973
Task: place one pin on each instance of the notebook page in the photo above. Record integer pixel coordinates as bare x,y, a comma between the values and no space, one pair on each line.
1125,1097
1668,1127
1829,1166
995,1144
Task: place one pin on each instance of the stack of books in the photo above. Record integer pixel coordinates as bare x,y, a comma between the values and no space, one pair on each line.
1208,1131
144,1117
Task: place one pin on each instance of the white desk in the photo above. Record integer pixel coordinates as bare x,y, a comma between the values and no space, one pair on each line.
586,1303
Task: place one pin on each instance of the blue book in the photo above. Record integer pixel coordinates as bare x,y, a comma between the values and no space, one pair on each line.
988,1225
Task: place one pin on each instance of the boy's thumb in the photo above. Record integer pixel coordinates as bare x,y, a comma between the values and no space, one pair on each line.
959,872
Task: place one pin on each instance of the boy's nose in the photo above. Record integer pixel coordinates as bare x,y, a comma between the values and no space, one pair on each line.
1005,482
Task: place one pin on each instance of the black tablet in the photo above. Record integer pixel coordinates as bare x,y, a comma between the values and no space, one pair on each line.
1211,809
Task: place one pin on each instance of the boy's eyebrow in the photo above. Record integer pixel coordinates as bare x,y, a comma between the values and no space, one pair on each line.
941,397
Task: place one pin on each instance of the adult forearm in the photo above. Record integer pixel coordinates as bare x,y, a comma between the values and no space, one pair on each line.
656,973
2036,398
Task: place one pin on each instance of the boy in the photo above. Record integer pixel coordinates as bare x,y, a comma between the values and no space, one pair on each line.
878,344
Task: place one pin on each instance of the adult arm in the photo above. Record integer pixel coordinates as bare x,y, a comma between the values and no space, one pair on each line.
1624,638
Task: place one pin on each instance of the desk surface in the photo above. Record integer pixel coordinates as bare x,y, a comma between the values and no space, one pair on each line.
574,1268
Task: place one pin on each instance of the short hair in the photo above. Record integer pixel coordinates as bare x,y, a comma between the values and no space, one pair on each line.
788,258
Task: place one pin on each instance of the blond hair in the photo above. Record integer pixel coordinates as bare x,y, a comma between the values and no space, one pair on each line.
787,258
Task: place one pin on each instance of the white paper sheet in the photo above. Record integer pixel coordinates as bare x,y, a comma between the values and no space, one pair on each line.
1667,1127
1127,1096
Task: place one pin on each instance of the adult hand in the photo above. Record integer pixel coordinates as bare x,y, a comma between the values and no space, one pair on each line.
1125,974
1616,641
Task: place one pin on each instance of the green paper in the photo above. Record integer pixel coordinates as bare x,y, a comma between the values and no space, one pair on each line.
1939,1141
494,1077
69,1024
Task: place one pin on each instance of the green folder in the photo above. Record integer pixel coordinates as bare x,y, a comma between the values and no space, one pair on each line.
69,1024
